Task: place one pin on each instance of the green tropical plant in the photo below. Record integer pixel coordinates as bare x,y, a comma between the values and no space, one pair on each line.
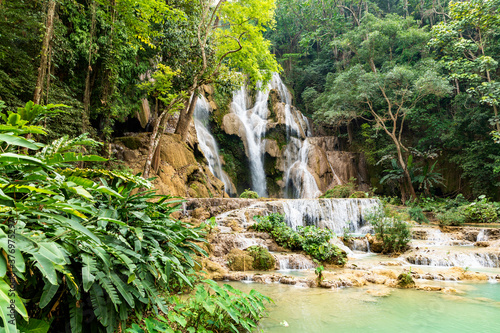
310,239
213,308
84,240
390,228
249,194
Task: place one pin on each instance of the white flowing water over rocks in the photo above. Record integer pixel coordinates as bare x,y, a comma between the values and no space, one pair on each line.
293,261
254,121
460,259
207,143
333,214
297,173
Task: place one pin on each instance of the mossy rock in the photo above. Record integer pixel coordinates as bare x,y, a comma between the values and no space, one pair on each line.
239,260
405,280
131,142
262,259
358,194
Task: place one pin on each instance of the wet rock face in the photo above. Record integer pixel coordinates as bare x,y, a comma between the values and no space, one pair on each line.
179,173
286,261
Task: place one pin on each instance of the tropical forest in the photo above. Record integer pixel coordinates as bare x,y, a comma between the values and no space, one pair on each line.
215,166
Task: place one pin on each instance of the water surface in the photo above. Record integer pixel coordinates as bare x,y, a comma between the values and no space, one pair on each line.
318,310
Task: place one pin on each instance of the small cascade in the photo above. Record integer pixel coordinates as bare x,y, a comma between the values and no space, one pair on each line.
297,174
208,145
361,245
254,122
333,214
293,261
438,238
481,237
460,259
342,246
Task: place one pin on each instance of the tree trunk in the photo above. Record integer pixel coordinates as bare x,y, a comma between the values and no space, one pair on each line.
184,122
402,162
154,141
42,70
86,95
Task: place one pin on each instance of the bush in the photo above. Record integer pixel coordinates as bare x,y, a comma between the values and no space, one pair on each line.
451,217
405,280
213,308
341,191
390,228
480,211
416,214
312,240
248,194
262,259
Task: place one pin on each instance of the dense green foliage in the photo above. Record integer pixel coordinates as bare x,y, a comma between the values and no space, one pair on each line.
86,248
458,211
312,240
94,55
213,309
399,80
262,259
390,228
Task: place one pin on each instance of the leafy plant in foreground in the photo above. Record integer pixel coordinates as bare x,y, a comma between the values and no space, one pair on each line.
213,308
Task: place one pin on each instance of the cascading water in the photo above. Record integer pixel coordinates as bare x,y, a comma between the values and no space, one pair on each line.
297,174
254,122
334,214
207,143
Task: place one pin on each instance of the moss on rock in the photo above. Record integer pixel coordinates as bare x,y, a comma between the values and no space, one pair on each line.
239,260
262,259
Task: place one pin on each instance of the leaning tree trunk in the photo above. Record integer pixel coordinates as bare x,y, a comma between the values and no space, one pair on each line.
44,59
185,120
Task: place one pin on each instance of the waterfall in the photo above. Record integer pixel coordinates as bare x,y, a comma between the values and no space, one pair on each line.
459,259
296,153
207,143
481,236
293,261
254,122
333,214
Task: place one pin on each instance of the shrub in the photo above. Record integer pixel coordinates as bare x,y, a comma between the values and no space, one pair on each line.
213,308
249,194
416,214
405,280
262,259
390,228
480,211
451,217
312,240
342,191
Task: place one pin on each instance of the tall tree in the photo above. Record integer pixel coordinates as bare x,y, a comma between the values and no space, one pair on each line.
45,54
391,83
468,45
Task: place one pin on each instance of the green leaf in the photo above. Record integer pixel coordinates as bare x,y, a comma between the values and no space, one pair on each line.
49,291
107,190
75,315
73,157
14,140
36,326
11,158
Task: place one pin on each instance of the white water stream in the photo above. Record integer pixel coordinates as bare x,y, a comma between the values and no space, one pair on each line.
254,121
207,143
334,214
